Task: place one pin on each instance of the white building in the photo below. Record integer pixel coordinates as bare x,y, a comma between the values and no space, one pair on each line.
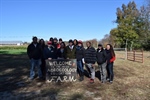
18,43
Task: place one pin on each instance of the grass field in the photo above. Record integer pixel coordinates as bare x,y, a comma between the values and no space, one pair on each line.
21,51
13,49
131,82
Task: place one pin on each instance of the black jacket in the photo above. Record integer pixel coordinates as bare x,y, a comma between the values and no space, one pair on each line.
50,53
61,54
80,51
90,55
101,56
34,52
109,56
43,46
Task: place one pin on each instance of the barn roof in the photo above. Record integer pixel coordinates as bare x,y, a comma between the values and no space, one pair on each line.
11,42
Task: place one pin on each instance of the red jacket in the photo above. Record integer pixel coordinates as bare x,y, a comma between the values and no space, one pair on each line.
58,46
113,59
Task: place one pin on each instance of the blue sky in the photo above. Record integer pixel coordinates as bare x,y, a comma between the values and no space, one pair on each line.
68,19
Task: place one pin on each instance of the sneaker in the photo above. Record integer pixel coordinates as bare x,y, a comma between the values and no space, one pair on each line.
40,79
103,81
89,76
111,82
108,79
91,80
31,79
81,78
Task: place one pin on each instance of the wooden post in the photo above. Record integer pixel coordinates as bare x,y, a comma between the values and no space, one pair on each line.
142,56
126,54
134,55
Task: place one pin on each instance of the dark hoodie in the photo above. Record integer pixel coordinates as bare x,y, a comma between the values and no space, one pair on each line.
90,55
79,53
34,52
50,52
101,56
110,58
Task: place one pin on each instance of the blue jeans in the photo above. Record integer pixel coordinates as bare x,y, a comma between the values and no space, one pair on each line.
80,67
110,71
35,63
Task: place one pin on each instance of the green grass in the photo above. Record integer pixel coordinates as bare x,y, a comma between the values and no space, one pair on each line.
13,51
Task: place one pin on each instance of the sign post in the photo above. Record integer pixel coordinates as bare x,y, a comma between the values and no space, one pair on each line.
61,70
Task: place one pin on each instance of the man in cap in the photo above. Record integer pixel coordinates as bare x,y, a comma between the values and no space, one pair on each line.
101,60
55,43
51,39
70,50
50,51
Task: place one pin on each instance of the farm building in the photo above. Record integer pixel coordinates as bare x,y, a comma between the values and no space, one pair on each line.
18,43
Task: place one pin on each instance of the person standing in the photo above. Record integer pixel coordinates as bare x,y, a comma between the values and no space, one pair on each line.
52,40
90,59
59,44
80,56
75,42
110,62
50,51
70,50
56,45
34,52
61,51
101,60
43,63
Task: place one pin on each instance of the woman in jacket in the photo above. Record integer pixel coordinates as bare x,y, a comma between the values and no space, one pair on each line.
75,42
43,63
101,60
80,56
110,62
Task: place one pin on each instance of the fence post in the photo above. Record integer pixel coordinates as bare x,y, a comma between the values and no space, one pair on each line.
126,56
142,56
134,55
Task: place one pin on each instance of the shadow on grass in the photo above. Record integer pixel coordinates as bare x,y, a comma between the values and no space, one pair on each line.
97,74
77,96
86,73
3,52
13,69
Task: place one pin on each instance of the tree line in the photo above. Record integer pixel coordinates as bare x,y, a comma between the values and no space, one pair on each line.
133,27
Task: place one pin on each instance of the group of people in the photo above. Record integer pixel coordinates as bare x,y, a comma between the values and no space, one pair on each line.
39,51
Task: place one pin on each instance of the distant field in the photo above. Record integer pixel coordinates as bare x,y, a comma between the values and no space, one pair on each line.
13,47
